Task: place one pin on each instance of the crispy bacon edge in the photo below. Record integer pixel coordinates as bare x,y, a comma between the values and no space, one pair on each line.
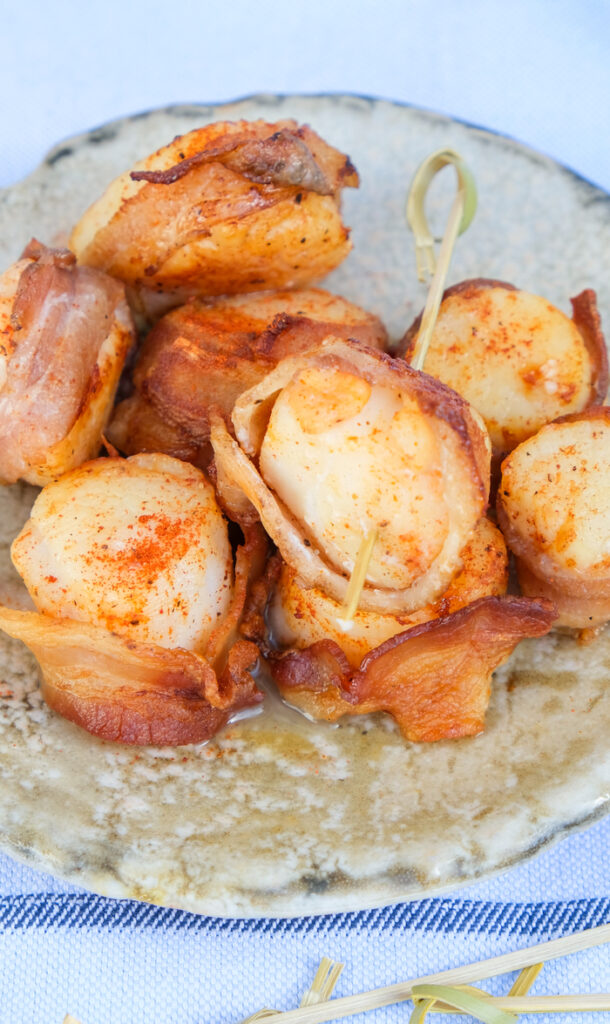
283,159
434,679
130,692
587,320
245,495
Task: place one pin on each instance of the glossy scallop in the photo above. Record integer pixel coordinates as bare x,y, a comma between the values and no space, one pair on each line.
137,546
554,509
515,357
346,457
344,441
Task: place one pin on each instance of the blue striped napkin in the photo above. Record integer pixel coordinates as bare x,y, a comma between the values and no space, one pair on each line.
122,962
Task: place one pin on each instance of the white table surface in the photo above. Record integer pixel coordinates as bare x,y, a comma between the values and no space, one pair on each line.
534,69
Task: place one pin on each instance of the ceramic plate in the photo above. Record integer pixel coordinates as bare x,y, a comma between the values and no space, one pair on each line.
279,816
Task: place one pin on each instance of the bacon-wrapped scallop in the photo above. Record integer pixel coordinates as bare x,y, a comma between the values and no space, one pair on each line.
342,441
554,510
65,332
231,207
204,354
515,357
299,617
345,443
130,568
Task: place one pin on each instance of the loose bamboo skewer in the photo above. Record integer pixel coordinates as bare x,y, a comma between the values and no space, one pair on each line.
462,211
347,1006
525,980
520,987
323,985
585,1002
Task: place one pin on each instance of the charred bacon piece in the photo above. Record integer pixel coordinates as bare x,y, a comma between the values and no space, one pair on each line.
434,679
131,692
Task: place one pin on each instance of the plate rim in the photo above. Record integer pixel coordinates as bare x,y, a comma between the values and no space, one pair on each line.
31,857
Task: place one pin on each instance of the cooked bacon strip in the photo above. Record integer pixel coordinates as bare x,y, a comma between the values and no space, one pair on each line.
434,679
250,558
64,343
585,315
283,159
136,426
299,617
131,692
205,354
237,206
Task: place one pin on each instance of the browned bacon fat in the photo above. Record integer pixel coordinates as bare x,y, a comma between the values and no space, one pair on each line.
65,332
434,679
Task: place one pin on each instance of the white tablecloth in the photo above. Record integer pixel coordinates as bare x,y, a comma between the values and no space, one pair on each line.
534,69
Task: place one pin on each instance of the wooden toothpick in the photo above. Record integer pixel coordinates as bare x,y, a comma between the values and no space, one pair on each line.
462,212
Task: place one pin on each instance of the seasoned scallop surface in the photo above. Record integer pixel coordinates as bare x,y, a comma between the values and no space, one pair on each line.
299,617
554,509
231,207
137,546
348,457
346,441
515,357
65,332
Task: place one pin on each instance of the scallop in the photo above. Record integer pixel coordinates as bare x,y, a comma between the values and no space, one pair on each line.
344,443
554,510
515,357
137,546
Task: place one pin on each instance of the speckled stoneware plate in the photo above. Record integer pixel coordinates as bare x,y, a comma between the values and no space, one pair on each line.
279,816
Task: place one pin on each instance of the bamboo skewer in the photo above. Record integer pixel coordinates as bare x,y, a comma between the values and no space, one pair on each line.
462,211
583,1003
358,578
346,1006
